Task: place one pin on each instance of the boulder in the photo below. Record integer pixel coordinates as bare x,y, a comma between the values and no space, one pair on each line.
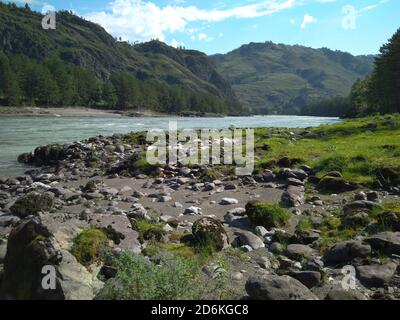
331,184
376,275
32,203
360,205
309,278
387,242
347,251
250,239
207,230
273,287
119,229
6,221
32,246
342,294
293,196
299,251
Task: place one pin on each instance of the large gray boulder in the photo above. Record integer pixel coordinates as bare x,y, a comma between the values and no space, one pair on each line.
346,251
32,203
119,229
273,287
342,294
206,230
33,245
376,275
387,242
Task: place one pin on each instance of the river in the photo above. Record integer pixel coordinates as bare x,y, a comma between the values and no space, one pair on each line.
19,134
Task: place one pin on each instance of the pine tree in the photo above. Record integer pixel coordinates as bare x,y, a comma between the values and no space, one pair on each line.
386,77
9,86
109,94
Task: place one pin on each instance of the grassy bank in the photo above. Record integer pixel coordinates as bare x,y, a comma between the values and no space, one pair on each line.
363,150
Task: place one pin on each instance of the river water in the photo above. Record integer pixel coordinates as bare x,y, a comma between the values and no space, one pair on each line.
21,134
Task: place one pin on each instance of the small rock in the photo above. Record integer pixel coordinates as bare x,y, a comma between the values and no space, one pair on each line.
228,201
193,211
237,211
249,238
261,231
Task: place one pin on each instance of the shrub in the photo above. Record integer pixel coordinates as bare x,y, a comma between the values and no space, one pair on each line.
139,279
266,214
209,233
149,230
90,246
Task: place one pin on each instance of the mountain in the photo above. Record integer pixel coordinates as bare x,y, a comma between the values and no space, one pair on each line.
278,78
88,45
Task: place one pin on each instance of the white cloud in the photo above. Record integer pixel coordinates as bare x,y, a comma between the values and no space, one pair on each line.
202,36
175,43
144,20
292,21
307,20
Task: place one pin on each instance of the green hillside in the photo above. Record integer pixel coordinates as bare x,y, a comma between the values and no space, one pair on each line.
87,45
277,78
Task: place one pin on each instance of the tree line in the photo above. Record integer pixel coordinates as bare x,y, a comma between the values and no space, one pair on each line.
25,82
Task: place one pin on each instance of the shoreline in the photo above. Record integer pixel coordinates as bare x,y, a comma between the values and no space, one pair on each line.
71,112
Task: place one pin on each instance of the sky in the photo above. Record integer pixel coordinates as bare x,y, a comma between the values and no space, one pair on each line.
219,26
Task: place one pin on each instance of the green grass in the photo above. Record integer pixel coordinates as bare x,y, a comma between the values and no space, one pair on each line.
150,230
351,147
266,214
304,224
90,246
333,231
140,279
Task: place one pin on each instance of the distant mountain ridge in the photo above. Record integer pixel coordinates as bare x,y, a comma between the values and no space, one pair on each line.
88,45
278,78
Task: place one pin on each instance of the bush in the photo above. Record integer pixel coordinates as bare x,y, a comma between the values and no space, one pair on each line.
209,233
266,214
139,279
149,230
90,246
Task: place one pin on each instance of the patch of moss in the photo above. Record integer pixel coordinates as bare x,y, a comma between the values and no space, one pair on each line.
179,250
266,214
333,231
90,246
304,224
149,230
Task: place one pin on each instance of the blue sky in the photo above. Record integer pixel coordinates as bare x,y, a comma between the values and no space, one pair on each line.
219,26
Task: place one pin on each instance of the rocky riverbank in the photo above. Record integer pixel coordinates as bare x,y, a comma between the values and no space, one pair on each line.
286,232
